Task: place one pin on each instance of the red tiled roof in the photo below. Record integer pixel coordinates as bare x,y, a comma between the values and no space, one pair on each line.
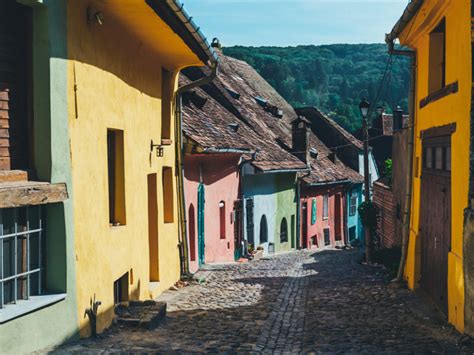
259,127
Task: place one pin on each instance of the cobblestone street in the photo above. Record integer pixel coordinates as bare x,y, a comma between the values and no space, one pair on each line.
297,302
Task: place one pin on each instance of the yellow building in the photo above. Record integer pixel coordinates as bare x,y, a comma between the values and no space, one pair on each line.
439,33
123,63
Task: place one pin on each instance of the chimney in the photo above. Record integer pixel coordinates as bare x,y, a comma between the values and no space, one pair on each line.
398,119
300,129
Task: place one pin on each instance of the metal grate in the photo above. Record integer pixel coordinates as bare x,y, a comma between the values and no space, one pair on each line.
21,237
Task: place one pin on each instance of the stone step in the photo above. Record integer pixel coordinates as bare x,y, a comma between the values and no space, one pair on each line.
140,314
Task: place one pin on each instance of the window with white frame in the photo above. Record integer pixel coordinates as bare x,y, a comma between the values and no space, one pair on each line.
326,207
353,203
21,254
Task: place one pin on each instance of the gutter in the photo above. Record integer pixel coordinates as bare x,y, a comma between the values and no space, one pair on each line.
415,5
226,150
183,242
173,13
277,171
342,182
408,15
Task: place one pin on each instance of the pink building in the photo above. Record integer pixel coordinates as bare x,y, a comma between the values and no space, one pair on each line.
211,185
322,216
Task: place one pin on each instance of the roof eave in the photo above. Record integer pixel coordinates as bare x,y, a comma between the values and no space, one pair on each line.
173,13
410,11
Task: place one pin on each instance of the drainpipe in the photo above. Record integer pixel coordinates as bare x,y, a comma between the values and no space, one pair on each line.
410,148
183,243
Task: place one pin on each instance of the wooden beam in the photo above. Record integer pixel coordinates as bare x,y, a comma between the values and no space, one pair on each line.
30,193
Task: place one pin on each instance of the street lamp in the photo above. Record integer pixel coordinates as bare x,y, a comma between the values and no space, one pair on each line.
364,107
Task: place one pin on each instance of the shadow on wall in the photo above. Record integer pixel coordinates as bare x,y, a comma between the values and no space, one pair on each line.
97,45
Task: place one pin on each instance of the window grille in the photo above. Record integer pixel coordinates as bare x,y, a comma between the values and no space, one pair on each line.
21,267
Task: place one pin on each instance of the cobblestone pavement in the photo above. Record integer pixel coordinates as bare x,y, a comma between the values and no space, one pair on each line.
301,302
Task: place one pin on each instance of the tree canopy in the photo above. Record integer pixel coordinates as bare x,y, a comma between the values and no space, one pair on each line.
332,77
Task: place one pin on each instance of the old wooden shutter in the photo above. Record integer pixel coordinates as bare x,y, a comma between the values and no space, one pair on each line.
13,85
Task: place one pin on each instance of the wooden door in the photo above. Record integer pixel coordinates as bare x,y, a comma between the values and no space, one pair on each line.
153,227
201,243
238,212
304,227
435,218
338,217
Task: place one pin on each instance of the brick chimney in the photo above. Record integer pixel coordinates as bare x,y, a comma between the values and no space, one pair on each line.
300,129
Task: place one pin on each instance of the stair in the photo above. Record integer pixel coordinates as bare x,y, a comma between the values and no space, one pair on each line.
140,314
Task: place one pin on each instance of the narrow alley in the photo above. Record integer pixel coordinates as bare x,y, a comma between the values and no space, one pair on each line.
295,302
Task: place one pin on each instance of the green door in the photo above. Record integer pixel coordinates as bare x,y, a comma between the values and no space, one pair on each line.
201,203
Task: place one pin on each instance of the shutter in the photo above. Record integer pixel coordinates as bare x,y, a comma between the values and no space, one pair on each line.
313,211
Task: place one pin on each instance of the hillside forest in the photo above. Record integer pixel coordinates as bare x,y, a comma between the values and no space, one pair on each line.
332,77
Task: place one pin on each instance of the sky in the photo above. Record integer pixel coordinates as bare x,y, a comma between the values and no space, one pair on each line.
295,22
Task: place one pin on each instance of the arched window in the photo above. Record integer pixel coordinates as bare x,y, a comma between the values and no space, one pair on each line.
263,230
192,233
283,231
222,219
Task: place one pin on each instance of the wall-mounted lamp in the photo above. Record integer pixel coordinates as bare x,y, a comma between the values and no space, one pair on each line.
159,149
94,17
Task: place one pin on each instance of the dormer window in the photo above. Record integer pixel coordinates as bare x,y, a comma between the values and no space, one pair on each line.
233,93
437,58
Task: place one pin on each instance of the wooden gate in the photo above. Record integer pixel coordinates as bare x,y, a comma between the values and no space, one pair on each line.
435,218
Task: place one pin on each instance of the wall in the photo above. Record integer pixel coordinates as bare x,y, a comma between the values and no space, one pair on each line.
383,198
57,323
354,221
399,171
453,108
373,170
316,231
119,87
220,175
274,196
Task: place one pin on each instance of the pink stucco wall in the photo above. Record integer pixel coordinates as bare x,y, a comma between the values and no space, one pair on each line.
335,221
220,175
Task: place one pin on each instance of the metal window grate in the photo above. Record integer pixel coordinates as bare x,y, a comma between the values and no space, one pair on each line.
21,238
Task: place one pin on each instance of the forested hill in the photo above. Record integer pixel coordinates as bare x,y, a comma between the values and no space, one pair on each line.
332,77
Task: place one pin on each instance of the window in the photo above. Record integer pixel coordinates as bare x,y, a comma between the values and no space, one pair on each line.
121,289
326,207
166,104
263,230
353,203
192,233
352,233
168,203
21,254
283,231
327,237
313,211
222,219
437,58
116,177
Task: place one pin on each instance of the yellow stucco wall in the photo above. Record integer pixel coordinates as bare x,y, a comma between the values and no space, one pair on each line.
117,76
454,108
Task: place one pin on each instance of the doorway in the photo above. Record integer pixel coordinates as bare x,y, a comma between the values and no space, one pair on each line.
338,217
153,227
435,218
304,227
201,243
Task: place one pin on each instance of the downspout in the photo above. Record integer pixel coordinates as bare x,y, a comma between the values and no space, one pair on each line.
183,243
410,151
